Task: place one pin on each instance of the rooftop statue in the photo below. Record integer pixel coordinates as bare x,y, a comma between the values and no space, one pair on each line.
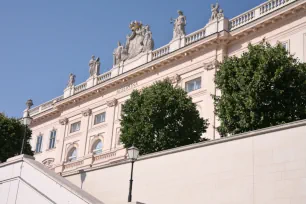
71,80
94,66
179,25
140,40
216,12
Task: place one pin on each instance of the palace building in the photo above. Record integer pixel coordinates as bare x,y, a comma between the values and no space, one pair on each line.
81,128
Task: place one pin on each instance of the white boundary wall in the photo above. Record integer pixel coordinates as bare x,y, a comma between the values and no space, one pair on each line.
261,167
25,181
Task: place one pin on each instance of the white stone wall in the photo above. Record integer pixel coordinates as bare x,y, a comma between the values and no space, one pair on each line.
23,180
265,166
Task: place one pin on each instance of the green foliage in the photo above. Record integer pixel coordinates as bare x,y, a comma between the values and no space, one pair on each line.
264,87
160,117
11,135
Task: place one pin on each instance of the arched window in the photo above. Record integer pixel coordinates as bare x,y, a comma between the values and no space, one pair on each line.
72,154
97,147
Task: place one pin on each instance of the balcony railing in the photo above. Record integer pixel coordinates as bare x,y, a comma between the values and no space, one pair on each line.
160,52
195,36
258,12
45,106
80,87
104,157
104,77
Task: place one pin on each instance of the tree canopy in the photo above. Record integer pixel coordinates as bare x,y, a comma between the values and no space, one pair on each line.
11,136
160,117
266,86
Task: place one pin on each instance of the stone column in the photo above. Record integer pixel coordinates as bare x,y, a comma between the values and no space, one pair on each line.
110,121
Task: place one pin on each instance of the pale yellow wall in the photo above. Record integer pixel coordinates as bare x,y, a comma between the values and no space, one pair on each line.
291,29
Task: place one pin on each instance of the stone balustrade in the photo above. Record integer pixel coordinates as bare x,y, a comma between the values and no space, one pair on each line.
257,12
160,52
45,106
104,157
73,164
103,77
195,36
80,87
91,160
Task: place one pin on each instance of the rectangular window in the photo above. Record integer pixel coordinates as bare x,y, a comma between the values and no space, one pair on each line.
100,118
286,45
52,139
75,127
38,144
193,85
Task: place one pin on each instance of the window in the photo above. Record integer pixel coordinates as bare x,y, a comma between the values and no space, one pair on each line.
38,144
75,127
52,139
100,118
97,147
286,45
72,154
193,85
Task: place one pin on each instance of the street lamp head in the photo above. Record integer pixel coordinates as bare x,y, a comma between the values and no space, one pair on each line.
29,104
133,153
27,120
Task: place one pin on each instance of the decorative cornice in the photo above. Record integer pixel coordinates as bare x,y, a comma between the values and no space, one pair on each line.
87,112
63,121
211,65
112,103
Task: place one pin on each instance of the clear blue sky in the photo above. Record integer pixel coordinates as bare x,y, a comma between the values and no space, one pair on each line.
42,41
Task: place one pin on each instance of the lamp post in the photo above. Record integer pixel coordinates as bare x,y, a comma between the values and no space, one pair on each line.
133,153
26,121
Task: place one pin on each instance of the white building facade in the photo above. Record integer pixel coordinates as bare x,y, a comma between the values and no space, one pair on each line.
81,128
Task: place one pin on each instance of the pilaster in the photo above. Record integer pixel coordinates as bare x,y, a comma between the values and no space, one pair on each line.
85,125
62,133
110,117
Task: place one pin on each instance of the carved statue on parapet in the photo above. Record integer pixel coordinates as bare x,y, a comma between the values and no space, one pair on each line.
179,25
71,80
118,53
94,66
148,43
216,13
139,41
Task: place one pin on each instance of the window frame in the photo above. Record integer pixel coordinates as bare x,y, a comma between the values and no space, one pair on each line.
99,114
72,130
52,138
194,84
286,45
96,151
70,157
39,142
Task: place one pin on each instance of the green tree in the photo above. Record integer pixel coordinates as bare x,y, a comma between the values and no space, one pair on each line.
264,87
160,117
11,136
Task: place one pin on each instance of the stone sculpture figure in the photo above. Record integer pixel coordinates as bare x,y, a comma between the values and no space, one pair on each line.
71,80
148,43
179,25
216,12
94,66
220,13
117,53
139,41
